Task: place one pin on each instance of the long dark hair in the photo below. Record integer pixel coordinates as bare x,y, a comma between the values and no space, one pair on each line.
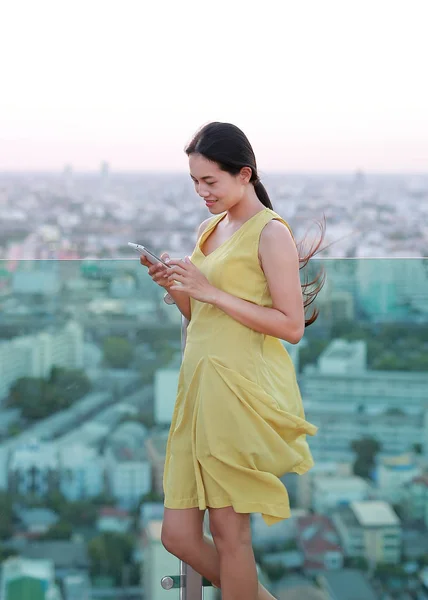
228,146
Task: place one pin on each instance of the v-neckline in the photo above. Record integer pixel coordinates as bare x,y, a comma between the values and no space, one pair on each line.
210,230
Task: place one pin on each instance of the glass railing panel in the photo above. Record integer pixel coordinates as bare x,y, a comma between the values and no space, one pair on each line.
359,515
89,358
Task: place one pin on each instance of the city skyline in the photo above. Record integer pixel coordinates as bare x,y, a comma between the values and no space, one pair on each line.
328,88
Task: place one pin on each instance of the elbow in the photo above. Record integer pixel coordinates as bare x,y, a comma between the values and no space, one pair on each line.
295,334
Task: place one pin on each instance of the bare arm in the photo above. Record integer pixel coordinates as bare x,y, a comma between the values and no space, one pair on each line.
280,263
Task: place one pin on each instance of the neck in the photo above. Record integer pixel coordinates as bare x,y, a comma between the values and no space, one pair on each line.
245,208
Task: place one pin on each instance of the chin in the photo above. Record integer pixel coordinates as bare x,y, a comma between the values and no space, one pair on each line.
215,208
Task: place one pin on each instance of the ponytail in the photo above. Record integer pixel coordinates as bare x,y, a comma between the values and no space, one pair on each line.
310,289
262,194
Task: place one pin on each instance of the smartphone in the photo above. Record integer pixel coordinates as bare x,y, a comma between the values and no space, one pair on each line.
151,257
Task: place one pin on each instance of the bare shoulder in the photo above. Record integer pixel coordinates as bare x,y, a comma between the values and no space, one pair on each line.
275,232
276,246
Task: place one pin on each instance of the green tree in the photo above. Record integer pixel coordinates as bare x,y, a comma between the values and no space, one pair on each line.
274,571
110,553
6,516
14,429
420,362
81,513
5,552
388,569
60,531
151,496
39,398
366,450
35,397
343,328
103,499
417,448
56,501
388,361
118,352
394,410
357,562
72,384
310,353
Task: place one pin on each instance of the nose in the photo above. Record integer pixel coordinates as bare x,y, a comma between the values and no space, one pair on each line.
203,193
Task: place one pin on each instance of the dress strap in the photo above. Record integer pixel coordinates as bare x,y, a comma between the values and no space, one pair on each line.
213,222
265,217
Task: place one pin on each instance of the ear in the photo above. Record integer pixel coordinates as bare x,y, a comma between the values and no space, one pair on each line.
245,174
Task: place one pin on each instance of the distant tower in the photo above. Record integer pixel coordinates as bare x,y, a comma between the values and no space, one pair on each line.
68,180
104,177
359,178
105,170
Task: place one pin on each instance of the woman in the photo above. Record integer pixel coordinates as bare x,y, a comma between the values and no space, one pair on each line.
238,423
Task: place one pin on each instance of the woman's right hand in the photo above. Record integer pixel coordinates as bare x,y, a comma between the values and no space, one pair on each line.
158,272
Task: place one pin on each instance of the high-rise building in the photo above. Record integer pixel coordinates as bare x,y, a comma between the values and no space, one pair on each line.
128,468
370,529
392,475
81,472
347,402
35,355
33,469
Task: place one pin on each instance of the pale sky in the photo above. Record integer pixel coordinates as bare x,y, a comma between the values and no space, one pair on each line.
316,85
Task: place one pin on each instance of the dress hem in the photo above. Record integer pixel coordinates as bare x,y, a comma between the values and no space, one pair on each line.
271,513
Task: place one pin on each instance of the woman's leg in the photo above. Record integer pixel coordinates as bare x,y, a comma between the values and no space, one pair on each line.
182,535
232,537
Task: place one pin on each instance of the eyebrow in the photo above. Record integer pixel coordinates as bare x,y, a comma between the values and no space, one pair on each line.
205,178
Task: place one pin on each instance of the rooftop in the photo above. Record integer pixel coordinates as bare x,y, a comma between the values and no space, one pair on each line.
32,517
25,587
374,513
401,462
63,553
306,591
326,483
347,584
317,535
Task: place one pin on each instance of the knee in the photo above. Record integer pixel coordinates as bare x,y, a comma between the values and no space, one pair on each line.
228,533
175,542
171,538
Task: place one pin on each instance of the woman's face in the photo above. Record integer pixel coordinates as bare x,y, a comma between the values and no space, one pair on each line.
219,190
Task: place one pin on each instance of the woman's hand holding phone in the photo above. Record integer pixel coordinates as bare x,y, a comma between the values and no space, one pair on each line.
158,272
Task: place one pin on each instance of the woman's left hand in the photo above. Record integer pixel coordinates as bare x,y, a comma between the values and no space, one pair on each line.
192,281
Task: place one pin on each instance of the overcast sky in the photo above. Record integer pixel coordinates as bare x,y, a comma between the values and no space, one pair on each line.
316,85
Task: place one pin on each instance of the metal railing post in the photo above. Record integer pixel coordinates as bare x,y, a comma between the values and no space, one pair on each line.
189,582
192,581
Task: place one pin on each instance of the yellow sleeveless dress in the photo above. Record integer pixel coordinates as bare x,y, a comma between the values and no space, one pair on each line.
238,422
